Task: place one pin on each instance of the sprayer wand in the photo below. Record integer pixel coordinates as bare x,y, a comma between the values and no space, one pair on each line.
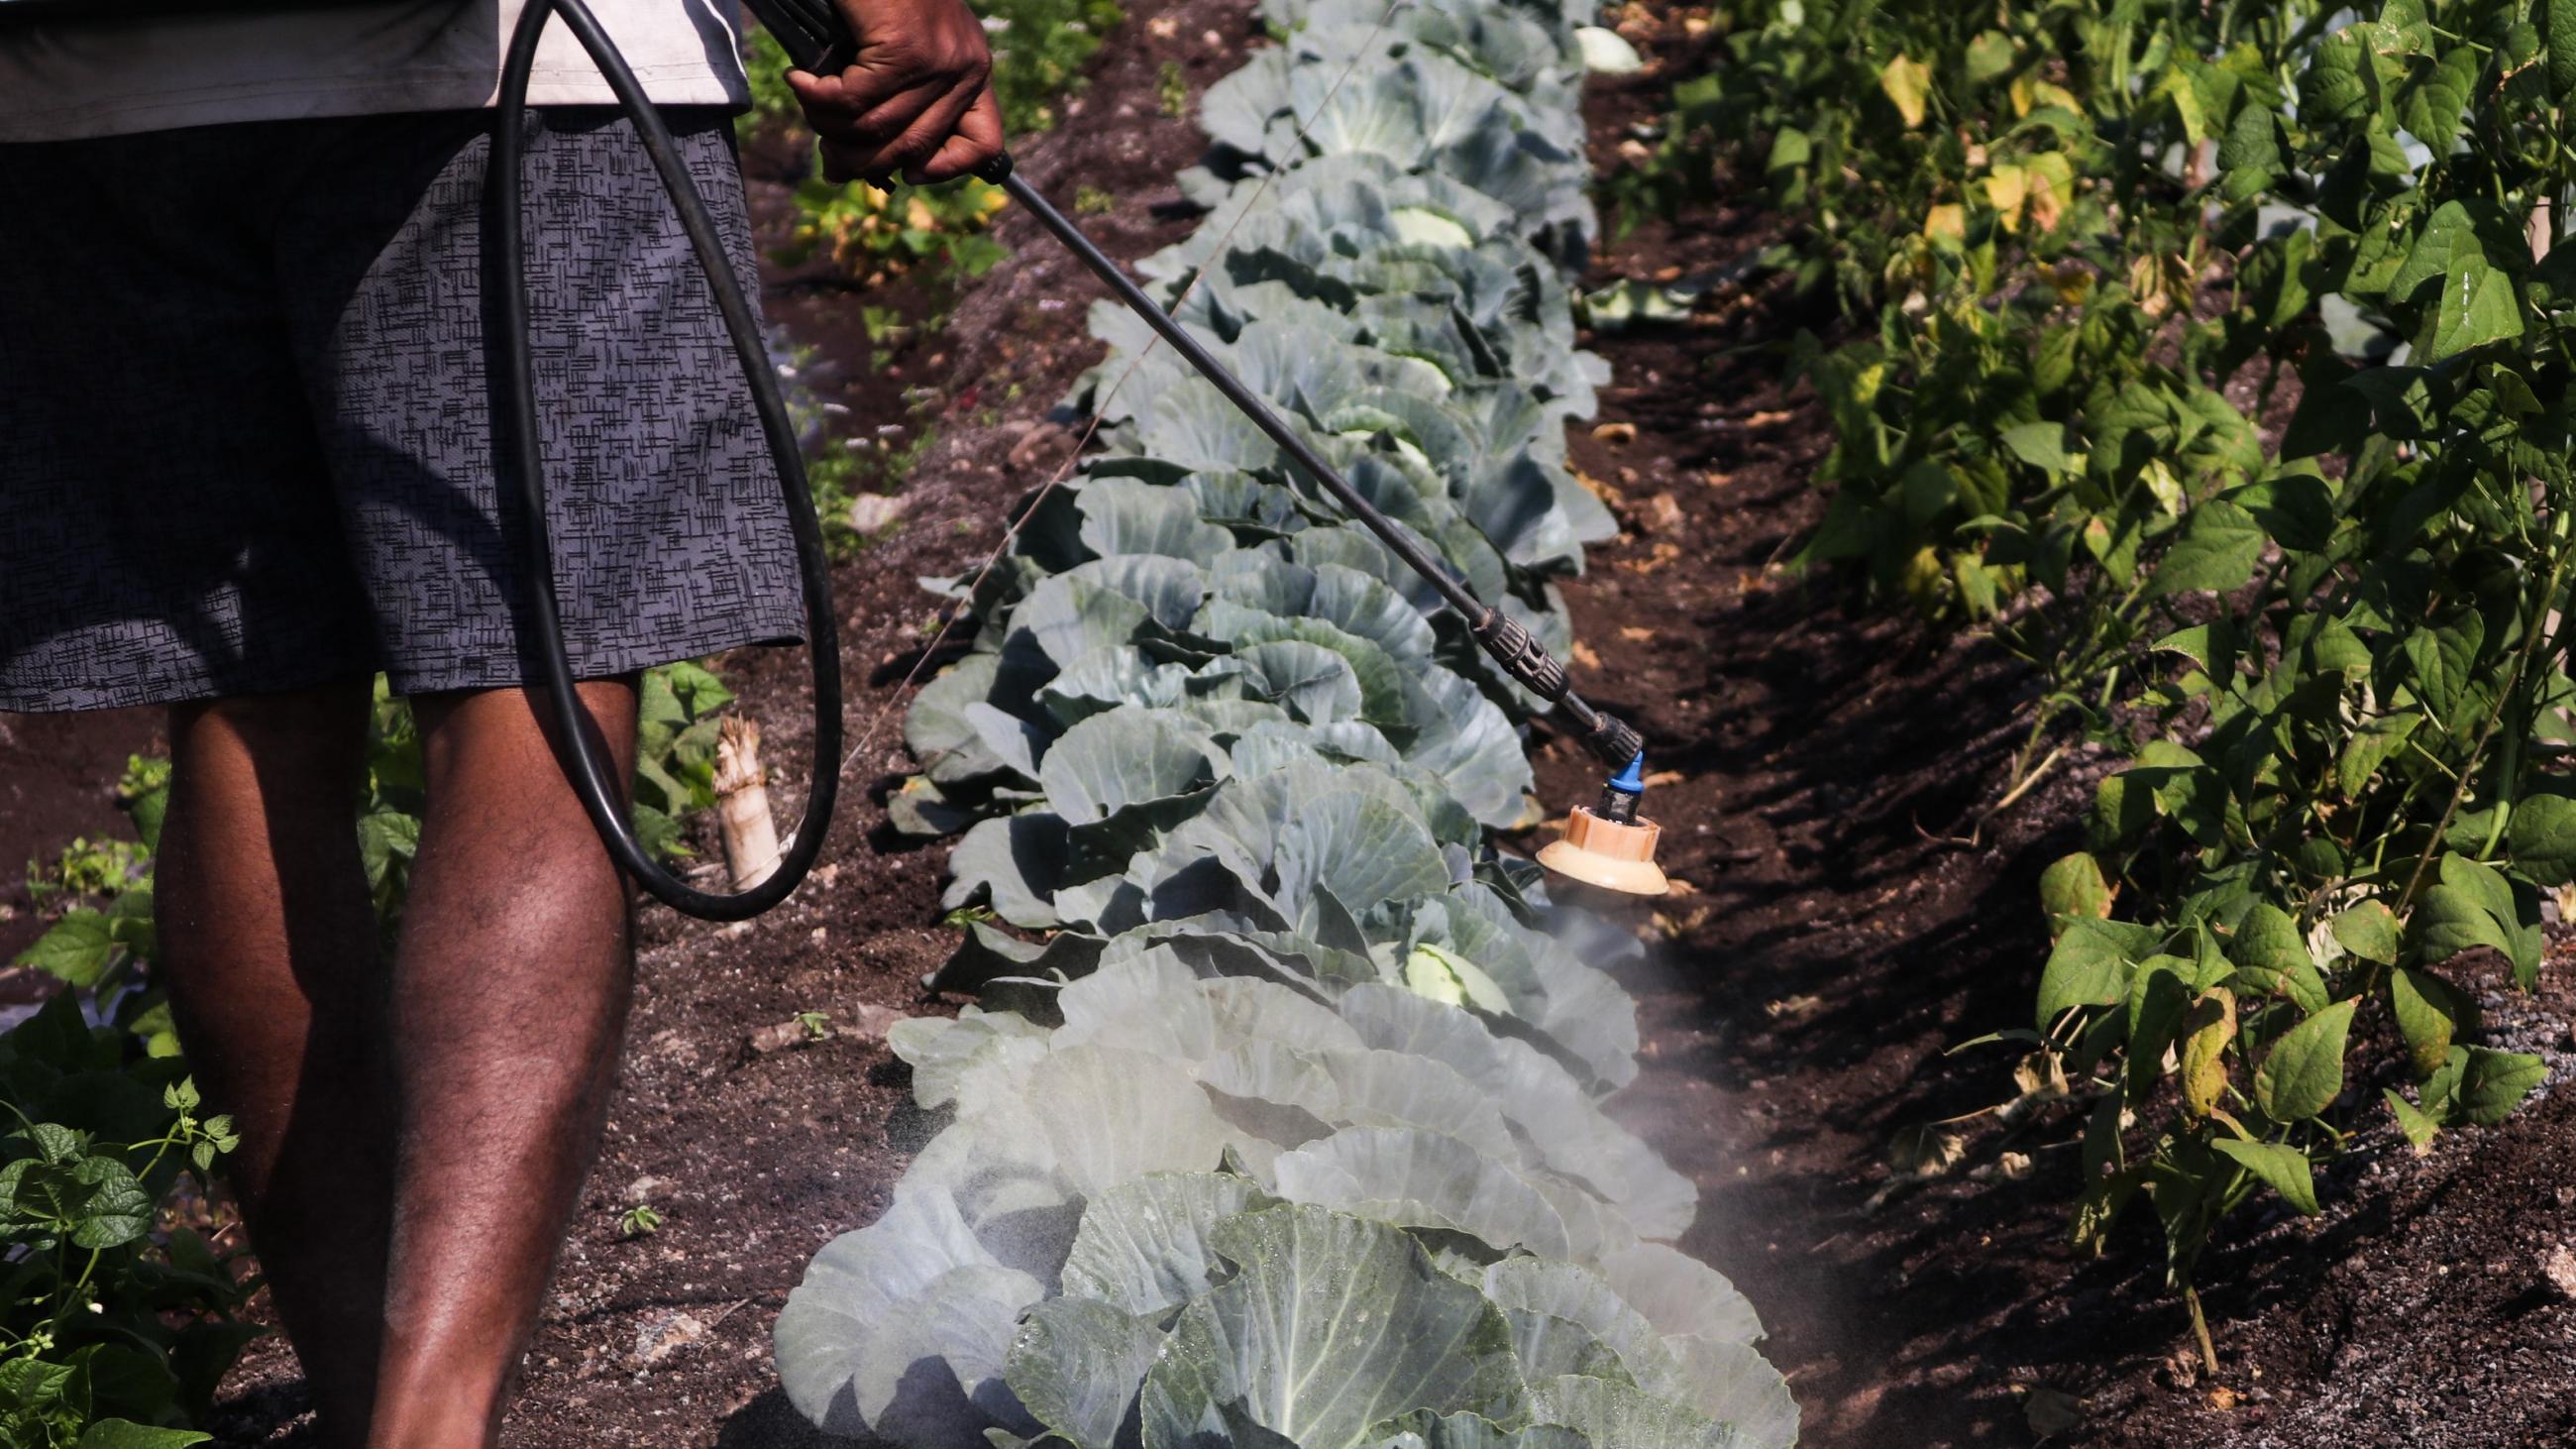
1613,742
1608,846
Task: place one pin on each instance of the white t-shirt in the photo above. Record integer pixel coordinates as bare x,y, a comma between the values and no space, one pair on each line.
60,80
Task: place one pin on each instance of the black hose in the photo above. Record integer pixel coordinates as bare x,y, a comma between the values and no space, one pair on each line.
584,755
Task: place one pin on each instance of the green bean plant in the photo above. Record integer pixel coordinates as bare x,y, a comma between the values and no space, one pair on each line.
2215,360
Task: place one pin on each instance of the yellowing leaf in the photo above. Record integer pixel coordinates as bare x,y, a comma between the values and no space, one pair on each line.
2007,187
2052,189
2186,98
1907,82
2206,1033
1947,223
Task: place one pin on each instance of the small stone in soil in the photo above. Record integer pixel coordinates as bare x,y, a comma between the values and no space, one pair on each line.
2558,1266
663,1336
874,513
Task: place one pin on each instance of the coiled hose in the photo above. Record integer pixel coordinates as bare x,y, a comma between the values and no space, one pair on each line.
584,754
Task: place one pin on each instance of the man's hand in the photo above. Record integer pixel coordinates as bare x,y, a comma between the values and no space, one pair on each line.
917,102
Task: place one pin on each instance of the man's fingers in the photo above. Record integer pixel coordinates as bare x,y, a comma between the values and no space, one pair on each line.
873,80
921,140
977,139
882,121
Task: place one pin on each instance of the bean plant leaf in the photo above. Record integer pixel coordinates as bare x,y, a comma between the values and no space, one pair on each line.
2429,1013
2283,1168
2417,1125
77,949
2295,508
2475,905
2370,747
126,1434
1906,82
2493,1083
2559,17
2072,886
2217,551
2208,1029
2542,839
2041,445
2090,966
2368,931
2270,950
2303,1073
2478,306
2431,97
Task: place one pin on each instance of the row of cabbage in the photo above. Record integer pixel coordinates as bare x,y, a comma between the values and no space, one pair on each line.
1278,1120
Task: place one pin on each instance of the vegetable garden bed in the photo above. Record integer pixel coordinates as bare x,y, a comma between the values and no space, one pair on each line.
1852,914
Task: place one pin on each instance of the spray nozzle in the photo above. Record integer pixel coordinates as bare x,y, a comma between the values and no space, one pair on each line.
1611,847
1621,793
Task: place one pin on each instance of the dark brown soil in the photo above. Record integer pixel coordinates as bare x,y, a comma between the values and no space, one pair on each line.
1851,912
58,777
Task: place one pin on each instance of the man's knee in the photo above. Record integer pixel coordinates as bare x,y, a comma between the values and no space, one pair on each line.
507,737
311,731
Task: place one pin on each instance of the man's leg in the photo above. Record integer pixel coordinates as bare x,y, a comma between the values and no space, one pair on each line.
269,946
509,998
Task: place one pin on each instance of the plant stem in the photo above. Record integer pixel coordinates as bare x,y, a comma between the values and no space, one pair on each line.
2531,639
2200,1330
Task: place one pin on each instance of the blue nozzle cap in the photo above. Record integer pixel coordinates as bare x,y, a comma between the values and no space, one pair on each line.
1632,780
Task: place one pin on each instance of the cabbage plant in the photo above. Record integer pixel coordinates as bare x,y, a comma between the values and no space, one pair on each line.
1280,1115
1180,1208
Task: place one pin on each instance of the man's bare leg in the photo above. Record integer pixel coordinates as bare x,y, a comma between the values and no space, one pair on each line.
508,1001
269,947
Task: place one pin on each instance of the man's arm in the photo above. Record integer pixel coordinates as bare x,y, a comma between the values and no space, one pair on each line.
916,102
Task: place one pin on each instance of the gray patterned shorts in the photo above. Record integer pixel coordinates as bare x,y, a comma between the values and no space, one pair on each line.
246,437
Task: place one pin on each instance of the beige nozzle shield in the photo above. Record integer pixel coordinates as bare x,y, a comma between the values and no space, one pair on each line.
1607,854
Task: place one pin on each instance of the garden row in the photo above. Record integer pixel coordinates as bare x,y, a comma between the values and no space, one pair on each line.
2215,360
1278,1119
